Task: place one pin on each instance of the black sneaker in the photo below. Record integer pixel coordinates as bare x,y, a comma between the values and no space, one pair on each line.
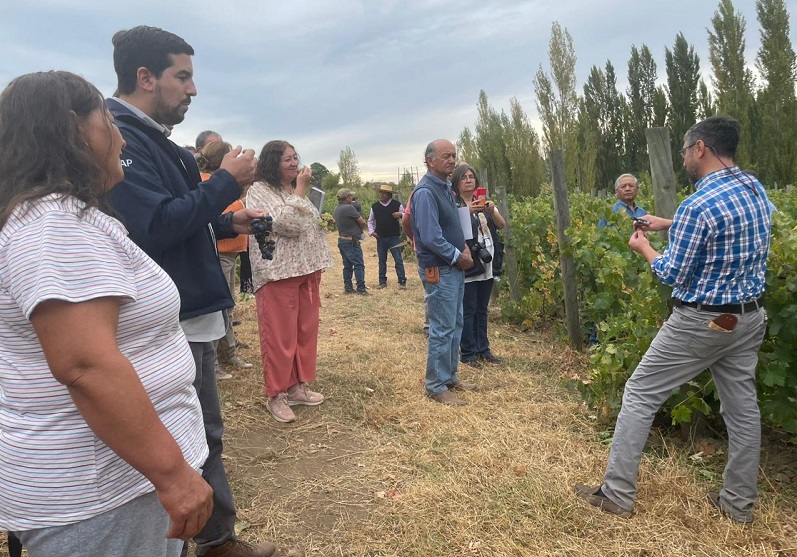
491,359
475,363
363,293
381,286
349,291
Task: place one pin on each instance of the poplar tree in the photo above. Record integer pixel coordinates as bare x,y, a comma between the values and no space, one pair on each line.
557,101
683,79
491,144
600,128
526,165
733,82
777,66
467,150
642,98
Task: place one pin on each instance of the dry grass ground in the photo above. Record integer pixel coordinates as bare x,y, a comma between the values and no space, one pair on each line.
379,470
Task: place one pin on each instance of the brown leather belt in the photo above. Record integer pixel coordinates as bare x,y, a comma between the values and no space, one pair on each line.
346,238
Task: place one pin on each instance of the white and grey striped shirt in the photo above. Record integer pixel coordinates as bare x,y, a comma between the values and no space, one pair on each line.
53,469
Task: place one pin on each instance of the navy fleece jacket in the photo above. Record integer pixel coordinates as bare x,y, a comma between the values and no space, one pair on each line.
167,209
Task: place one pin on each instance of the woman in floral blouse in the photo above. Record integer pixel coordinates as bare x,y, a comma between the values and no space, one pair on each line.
287,287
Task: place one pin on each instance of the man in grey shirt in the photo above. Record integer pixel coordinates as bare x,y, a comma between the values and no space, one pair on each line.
351,227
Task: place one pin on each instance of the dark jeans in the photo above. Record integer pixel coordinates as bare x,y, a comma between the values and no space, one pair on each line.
474,331
220,527
383,245
352,254
14,546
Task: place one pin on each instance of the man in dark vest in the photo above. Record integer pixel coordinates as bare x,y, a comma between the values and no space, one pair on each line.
384,224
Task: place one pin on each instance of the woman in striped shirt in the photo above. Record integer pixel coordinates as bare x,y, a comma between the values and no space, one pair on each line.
101,432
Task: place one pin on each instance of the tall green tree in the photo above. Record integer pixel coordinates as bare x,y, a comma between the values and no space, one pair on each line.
319,171
705,102
557,100
683,80
349,169
642,98
588,142
733,82
661,109
777,107
526,165
601,118
467,149
491,144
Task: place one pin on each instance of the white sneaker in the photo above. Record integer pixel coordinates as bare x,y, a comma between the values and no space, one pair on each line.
221,375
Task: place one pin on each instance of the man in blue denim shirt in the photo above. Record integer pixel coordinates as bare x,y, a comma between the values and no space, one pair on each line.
442,260
626,188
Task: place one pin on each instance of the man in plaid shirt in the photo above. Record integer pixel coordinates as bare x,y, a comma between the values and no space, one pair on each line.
715,262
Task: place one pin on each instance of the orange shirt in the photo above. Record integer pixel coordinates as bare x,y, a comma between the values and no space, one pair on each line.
240,242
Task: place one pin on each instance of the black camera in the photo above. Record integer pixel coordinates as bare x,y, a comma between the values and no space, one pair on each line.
478,250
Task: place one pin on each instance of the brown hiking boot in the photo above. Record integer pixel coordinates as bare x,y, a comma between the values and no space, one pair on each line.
448,399
237,548
462,386
596,498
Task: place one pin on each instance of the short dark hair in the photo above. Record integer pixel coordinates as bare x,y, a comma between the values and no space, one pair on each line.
458,174
144,47
718,132
268,163
202,139
42,149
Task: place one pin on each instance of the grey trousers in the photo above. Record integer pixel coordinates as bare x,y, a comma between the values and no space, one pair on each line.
136,529
220,527
682,349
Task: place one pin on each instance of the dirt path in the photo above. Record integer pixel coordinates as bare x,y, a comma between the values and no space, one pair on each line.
378,470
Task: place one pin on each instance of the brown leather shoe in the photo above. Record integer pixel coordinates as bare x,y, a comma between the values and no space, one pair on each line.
462,386
596,498
237,548
448,399
739,518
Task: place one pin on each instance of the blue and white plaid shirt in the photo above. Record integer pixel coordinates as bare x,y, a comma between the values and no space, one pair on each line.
719,241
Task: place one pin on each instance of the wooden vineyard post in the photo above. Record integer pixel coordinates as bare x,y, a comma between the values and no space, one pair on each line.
662,172
510,260
565,257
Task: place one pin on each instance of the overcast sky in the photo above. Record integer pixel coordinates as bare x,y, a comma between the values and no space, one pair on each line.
383,77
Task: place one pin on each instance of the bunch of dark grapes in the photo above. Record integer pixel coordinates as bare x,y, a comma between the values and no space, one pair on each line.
261,227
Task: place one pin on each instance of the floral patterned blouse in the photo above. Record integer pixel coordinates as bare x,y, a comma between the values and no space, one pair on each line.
301,246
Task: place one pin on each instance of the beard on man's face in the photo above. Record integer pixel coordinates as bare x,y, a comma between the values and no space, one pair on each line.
168,115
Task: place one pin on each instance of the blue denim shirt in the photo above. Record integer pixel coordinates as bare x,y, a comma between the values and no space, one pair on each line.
637,212
435,223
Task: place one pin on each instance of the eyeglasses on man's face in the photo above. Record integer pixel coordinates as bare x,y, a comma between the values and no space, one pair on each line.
685,149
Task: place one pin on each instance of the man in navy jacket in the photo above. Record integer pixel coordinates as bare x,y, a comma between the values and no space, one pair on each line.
173,216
